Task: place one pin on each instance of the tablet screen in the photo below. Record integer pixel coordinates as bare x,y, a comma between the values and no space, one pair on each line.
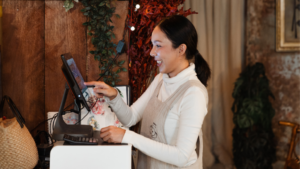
76,74
87,94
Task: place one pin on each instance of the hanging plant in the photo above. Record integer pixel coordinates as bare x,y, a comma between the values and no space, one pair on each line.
99,13
253,146
142,67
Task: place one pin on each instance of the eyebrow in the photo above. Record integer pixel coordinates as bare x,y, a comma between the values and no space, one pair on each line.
156,41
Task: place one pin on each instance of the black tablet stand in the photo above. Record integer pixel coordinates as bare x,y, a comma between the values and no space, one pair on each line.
62,128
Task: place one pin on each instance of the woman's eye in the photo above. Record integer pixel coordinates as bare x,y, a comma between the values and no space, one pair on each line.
158,46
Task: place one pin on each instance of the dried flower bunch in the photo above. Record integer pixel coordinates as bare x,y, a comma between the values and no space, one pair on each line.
142,67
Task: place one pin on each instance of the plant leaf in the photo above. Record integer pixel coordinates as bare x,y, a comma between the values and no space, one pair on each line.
121,62
102,3
97,57
71,5
113,3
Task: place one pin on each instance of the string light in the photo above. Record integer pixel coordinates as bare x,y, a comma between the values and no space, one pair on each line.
137,6
132,28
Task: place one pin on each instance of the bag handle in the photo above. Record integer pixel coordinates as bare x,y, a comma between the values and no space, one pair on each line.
13,108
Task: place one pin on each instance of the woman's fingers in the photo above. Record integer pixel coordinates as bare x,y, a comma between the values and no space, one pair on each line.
90,83
112,134
99,95
97,84
106,138
100,90
105,129
104,134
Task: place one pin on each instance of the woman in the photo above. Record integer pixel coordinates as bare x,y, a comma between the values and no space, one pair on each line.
173,107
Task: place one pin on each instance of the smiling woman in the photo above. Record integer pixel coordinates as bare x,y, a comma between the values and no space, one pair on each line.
169,60
180,39
173,107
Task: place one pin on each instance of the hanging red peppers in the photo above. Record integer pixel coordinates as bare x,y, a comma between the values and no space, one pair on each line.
142,66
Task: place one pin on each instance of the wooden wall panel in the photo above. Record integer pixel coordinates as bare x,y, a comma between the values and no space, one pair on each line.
119,25
0,72
23,74
64,33
35,34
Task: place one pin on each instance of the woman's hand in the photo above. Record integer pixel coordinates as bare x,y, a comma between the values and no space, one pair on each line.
102,89
112,134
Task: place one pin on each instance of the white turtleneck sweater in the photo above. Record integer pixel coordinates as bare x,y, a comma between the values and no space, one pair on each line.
182,125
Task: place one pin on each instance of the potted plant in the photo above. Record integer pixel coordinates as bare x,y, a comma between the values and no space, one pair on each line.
253,146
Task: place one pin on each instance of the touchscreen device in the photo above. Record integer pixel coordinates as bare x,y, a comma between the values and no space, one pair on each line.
76,83
76,75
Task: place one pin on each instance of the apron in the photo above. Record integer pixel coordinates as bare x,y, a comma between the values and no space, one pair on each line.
153,122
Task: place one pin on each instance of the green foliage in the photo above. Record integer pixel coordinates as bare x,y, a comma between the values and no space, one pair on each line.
253,146
99,13
68,4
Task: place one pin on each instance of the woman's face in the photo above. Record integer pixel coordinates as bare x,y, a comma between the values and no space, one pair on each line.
169,60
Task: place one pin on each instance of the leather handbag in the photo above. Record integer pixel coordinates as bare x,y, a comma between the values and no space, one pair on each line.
17,147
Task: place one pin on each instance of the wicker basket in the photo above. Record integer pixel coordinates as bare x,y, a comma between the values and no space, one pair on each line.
17,147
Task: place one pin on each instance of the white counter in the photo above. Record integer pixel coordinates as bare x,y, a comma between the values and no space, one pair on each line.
104,156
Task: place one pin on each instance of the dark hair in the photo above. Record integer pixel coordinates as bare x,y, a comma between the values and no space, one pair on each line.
180,30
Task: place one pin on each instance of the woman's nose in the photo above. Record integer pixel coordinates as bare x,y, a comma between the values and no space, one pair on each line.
152,52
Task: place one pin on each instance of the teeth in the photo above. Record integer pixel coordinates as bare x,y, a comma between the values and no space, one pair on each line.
159,62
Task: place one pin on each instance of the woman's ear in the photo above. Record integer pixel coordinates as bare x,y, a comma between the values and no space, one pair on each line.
182,49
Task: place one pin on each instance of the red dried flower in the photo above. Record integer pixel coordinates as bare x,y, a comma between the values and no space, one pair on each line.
141,66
